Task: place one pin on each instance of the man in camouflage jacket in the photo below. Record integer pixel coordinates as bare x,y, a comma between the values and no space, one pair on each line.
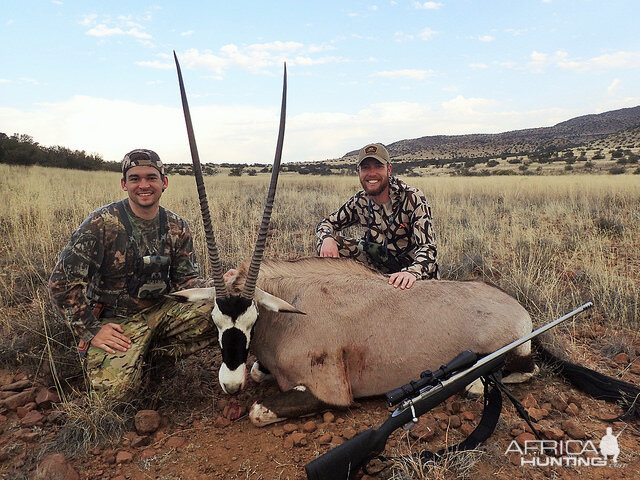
399,237
96,283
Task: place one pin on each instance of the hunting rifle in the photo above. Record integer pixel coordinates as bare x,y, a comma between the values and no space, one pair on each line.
420,396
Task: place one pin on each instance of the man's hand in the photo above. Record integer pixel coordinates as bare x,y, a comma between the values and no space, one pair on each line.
111,336
402,280
329,248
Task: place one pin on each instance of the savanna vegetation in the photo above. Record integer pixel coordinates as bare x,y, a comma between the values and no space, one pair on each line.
551,242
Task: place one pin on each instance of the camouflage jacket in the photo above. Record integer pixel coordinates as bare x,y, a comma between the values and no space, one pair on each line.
97,262
408,229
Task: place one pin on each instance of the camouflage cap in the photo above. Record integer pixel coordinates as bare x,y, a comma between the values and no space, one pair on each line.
374,150
141,157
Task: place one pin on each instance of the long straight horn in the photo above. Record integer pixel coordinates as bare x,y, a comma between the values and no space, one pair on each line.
212,248
258,252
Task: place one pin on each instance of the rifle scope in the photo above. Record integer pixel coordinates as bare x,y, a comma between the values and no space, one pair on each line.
430,379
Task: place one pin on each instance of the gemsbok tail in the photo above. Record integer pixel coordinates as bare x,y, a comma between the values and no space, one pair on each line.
593,383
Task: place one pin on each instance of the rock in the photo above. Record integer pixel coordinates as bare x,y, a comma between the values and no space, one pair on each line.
552,433
469,416
309,427
109,456
140,441
7,394
55,467
454,421
454,407
27,436
467,429
425,429
20,399
572,409
278,432
221,422
176,442
635,368
337,440
621,359
530,402
328,417
289,427
299,439
22,411
606,416
124,456
324,439
287,443
559,403
147,421
574,399
524,437
34,417
17,386
147,453
6,378
573,429
56,417
349,433
45,397
537,414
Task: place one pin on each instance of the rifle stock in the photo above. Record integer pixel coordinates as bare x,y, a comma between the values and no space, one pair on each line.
344,461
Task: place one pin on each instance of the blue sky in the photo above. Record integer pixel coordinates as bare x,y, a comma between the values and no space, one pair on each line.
99,76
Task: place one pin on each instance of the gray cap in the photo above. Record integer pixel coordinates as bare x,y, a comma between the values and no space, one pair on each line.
374,150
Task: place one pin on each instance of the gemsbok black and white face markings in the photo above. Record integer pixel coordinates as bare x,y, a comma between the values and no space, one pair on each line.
234,315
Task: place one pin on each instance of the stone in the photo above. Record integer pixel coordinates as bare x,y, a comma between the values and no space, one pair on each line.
27,436
349,433
17,386
45,397
606,416
124,456
337,440
454,407
524,437
56,417
175,442
328,417
537,414
6,378
454,421
559,403
572,409
552,433
7,394
299,439
469,416
55,467
221,422
621,359
147,421
309,427
324,439
530,402
635,368
289,427
20,399
34,417
467,429
425,429
147,453
278,432
140,441
22,411
287,443
573,429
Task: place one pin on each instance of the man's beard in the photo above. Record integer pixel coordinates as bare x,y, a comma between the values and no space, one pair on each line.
375,191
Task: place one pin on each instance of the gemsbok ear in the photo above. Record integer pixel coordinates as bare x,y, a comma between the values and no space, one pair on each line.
193,295
273,303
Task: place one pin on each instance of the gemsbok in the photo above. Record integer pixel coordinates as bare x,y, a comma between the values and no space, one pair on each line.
331,330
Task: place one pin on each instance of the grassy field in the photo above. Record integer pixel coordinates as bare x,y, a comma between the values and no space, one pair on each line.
552,242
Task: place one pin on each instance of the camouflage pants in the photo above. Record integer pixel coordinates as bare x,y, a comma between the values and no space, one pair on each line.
167,330
348,247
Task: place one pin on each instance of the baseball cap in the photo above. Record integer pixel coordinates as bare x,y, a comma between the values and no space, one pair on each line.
374,150
142,157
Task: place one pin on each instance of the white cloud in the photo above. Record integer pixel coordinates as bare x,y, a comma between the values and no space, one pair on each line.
407,73
32,81
603,62
373,7
427,5
4,80
123,25
478,65
611,89
486,38
187,33
426,34
156,64
57,2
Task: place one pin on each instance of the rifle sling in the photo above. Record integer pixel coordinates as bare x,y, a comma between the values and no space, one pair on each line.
493,389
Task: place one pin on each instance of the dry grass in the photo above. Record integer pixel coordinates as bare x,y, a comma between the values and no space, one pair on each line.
552,242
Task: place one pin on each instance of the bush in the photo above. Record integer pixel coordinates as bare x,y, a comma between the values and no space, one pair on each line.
492,163
617,170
